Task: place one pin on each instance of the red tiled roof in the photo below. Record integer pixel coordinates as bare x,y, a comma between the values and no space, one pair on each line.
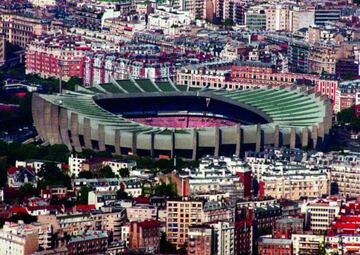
12,170
142,200
16,210
85,208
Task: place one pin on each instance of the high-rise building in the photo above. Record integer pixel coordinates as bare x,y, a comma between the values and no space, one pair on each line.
180,215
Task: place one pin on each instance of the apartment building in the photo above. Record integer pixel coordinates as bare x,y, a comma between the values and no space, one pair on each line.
18,239
145,236
306,243
200,240
181,214
320,213
43,3
58,57
141,213
21,30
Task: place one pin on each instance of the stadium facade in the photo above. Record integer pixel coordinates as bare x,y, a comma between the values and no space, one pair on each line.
104,117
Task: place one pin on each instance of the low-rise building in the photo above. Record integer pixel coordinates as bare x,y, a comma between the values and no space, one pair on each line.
89,242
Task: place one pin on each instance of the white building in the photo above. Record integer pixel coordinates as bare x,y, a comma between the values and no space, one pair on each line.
225,237
35,164
101,198
320,213
75,164
168,20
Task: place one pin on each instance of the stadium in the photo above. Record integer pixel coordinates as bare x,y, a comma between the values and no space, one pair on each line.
163,119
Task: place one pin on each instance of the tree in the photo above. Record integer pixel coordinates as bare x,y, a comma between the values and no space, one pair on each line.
168,190
85,175
228,22
50,174
28,190
120,194
346,115
58,152
165,246
124,172
106,172
82,197
3,172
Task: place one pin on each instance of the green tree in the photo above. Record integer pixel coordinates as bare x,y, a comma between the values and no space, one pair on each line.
58,152
165,190
28,190
228,22
165,246
120,194
124,172
86,175
3,172
106,172
82,197
346,115
50,174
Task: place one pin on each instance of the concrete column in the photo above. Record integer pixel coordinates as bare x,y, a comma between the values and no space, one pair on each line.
101,137
117,142
258,137
87,133
305,137
64,127
74,122
217,141
55,130
314,136
38,114
152,145
277,137
172,152
239,139
292,138
195,144
47,123
134,141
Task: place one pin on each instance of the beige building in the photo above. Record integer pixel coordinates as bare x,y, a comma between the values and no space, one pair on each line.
306,244
18,239
323,57
277,18
347,179
180,215
20,30
141,213
43,3
294,187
